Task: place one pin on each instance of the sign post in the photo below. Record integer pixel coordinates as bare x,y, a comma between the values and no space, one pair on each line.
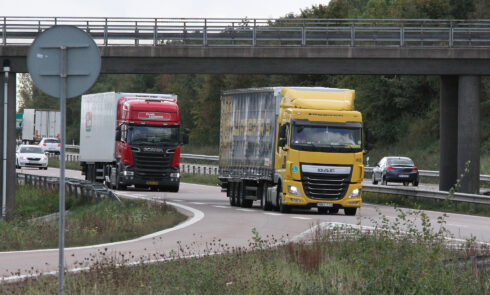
63,62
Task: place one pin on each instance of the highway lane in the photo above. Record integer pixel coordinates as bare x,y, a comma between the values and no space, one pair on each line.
215,220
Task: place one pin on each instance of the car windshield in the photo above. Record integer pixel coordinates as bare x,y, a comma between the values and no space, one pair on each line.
333,137
30,150
51,141
153,135
400,161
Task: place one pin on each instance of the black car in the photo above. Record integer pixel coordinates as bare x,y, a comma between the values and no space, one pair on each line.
396,169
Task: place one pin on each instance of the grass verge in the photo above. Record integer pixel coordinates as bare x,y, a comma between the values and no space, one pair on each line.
426,204
336,261
89,222
200,179
72,165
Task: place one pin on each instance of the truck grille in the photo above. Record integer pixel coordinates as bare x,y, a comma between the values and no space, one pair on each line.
321,186
152,166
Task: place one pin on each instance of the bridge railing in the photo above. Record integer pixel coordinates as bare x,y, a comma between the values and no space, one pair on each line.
257,32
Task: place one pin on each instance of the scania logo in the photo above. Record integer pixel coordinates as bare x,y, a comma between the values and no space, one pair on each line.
326,170
152,149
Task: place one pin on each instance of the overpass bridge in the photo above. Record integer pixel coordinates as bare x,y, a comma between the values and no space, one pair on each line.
456,50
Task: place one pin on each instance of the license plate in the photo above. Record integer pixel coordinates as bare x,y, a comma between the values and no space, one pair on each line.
403,176
324,204
150,182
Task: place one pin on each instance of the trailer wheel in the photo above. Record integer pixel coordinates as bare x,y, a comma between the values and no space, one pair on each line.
232,194
239,194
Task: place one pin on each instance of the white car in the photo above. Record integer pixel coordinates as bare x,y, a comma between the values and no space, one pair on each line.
31,156
50,145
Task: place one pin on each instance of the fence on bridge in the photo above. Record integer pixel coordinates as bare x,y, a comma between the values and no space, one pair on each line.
116,31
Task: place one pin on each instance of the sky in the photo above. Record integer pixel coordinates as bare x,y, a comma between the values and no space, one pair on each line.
156,8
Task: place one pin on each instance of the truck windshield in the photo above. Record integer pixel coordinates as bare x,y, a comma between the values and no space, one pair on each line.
153,135
326,138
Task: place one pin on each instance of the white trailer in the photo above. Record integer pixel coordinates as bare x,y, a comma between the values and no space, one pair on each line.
38,124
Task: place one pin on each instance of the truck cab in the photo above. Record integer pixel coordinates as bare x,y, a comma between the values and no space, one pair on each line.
318,157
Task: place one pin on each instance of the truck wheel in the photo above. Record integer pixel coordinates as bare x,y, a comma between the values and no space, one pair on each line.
173,188
374,180
282,208
233,194
415,183
323,210
117,185
350,211
266,206
247,203
333,210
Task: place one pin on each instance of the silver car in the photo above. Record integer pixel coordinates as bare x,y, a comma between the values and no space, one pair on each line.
50,145
31,156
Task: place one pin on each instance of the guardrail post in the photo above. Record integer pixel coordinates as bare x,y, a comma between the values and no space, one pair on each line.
105,33
155,33
254,34
451,35
198,169
352,35
402,35
193,169
215,171
303,34
4,31
205,33
136,32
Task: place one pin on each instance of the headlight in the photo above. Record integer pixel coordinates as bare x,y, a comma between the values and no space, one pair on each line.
44,158
293,190
355,193
128,173
24,158
175,175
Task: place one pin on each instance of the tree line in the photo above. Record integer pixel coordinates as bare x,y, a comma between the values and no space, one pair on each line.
396,108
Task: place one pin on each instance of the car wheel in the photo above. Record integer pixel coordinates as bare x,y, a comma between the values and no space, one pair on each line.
384,182
350,211
374,179
415,183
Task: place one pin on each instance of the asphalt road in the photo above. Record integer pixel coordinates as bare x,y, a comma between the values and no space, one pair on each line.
211,219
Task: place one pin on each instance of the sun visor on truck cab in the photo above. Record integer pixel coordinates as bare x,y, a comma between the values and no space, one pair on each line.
318,98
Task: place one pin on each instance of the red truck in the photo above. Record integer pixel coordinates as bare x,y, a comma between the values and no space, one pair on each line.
131,139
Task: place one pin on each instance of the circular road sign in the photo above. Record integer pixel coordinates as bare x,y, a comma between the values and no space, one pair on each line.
82,60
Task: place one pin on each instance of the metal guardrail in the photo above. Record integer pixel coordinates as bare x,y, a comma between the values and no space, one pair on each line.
77,187
440,195
116,31
431,173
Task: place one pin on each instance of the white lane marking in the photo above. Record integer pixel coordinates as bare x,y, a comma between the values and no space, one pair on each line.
218,206
299,217
197,216
273,214
457,225
245,210
178,200
198,203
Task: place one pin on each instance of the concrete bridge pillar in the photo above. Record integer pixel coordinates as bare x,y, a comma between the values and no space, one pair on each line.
11,181
469,132
448,132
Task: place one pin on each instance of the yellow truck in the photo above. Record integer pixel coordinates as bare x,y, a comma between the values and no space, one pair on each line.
292,147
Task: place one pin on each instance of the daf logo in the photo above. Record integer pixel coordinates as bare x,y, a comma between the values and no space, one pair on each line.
326,170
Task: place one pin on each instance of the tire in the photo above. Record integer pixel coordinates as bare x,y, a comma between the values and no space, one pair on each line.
405,183
233,194
45,168
350,211
247,203
415,183
117,185
282,208
17,165
266,206
384,182
174,188
333,210
238,200
41,168
374,179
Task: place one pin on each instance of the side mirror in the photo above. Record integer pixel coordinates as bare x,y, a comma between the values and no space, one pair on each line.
282,142
118,134
282,131
185,138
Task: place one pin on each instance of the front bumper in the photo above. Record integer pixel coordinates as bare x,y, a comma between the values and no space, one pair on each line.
299,198
30,163
129,177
